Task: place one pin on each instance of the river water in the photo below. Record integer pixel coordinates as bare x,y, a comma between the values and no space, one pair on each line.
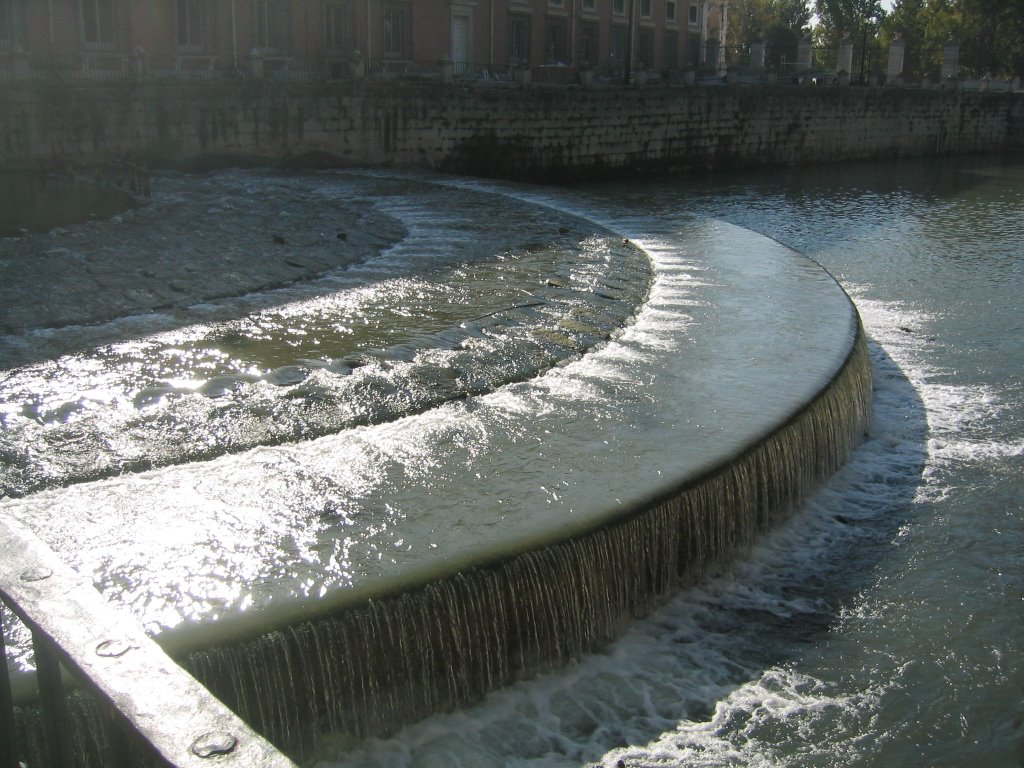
881,626
884,624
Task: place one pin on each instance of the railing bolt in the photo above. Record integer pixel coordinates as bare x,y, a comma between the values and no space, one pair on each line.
213,744
36,574
113,648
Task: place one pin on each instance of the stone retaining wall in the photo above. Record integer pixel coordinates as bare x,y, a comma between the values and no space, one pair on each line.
536,133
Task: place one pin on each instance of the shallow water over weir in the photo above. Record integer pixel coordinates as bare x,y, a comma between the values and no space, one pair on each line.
550,426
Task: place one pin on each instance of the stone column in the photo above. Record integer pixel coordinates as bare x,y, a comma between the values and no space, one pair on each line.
723,35
757,55
844,61
894,70
356,66
950,61
256,69
446,70
139,62
20,64
705,10
803,54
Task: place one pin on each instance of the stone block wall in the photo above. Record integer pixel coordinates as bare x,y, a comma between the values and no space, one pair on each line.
538,133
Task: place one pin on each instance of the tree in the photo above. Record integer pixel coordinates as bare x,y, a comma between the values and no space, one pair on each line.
751,20
837,18
792,14
990,33
992,36
907,20
780,43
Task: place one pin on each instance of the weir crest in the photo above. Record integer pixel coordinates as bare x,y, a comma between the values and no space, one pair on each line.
411,565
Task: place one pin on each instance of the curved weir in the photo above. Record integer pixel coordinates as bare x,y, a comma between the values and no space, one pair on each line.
334,576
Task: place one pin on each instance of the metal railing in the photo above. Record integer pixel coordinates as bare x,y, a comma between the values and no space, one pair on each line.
107,652
727,65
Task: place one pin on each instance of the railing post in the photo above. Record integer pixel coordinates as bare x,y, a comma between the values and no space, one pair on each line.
115,659
54,705
8,745
804,58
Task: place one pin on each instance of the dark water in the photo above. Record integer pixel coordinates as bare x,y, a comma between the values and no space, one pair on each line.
37,202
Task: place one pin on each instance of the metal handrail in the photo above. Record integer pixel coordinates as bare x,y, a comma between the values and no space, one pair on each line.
74,627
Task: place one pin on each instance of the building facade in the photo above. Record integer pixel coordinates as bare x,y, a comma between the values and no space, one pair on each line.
339,38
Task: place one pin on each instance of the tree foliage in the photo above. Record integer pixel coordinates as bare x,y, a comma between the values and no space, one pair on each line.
990,33
749,20
838,18
775,22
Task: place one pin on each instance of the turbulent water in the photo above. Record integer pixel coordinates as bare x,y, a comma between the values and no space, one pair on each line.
308,420
881,626
884,625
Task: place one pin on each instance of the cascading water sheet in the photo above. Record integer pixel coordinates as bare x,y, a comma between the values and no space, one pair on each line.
506,374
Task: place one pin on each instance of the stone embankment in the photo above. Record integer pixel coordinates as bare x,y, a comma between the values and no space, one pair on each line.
536,133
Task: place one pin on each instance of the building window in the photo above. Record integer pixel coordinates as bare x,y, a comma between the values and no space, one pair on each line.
341,32
271,25
193,25
694,11
619,7
645,8
12,24
518,38
397,31
555,48
670,11
589,5
97,23
645,49
556,3
590,33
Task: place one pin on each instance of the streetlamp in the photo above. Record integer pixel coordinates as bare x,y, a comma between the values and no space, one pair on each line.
626,73
864,48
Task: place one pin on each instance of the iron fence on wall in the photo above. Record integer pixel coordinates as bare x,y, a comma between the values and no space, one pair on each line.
732,65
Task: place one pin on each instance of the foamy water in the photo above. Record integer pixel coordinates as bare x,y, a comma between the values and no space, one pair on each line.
881,625
429,408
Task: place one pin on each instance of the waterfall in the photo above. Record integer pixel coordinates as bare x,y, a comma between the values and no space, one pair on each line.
518,588
394,660
397,659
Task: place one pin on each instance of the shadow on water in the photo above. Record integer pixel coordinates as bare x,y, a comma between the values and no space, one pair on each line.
38,202
927,179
